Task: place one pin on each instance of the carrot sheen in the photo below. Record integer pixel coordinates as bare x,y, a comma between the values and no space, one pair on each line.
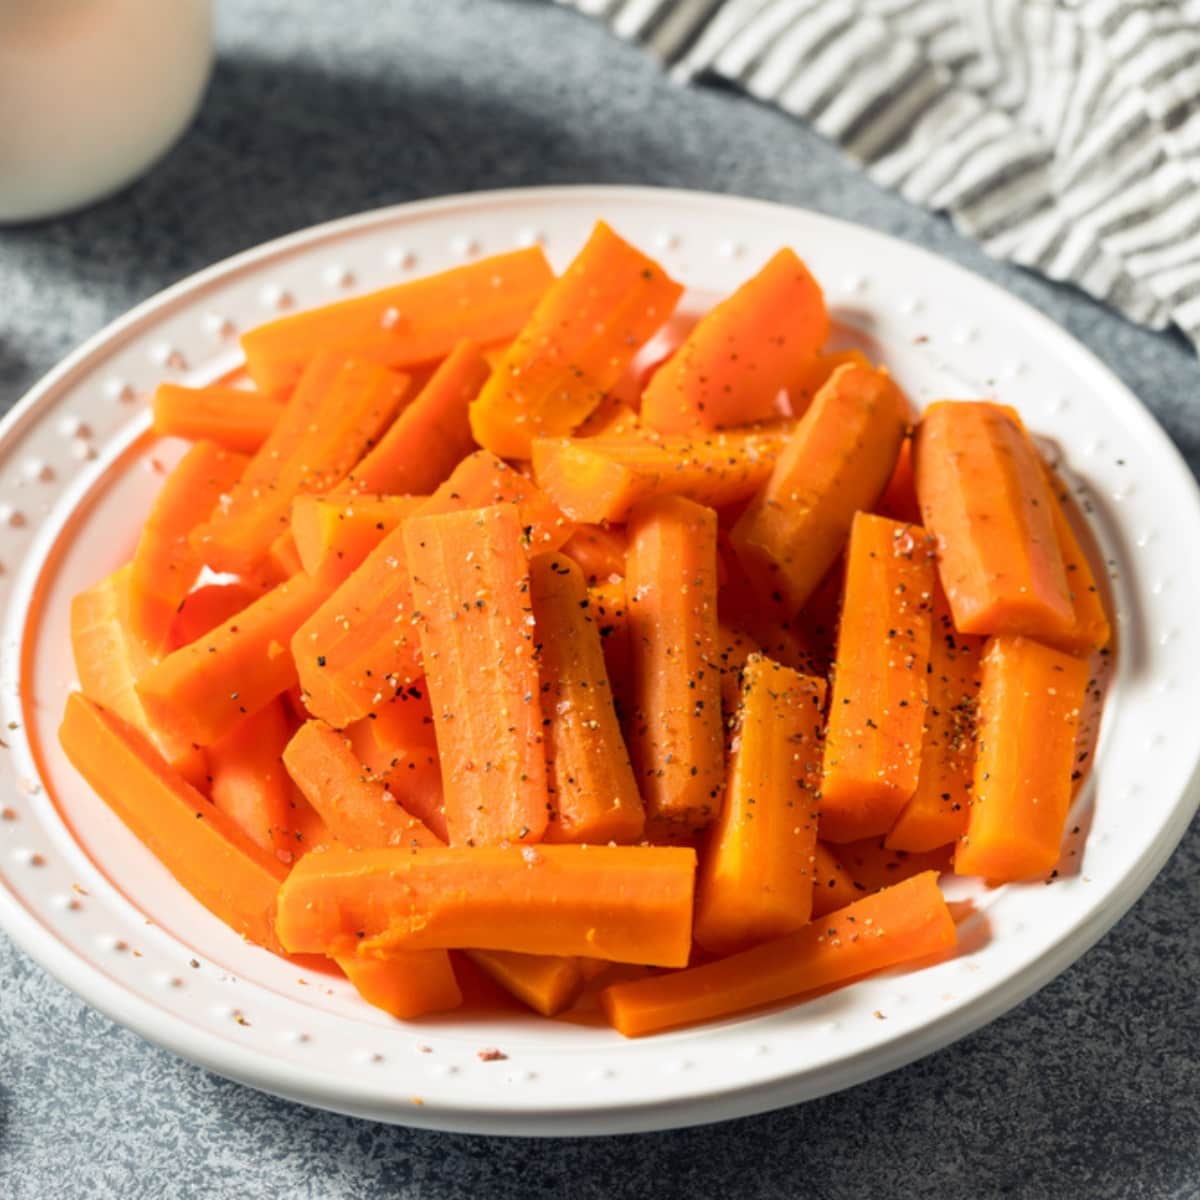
622,903
575,346
232,417
900,924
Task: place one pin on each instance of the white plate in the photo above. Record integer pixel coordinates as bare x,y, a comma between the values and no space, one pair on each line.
87,902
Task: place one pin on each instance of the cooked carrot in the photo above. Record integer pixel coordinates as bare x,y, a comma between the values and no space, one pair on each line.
601,478
546,983
430,436
232,417
873,866
205,851
937,813
592,792
1090,629
206,608
877,710
612,417
203,689
815,372
833,886
407,324
338,408
611,614
394,735
599,550
575,346
836,463
623,903
1029,703
986,500
742,354
164,564
735,647
675,725
334,534
899,499
910,921
755,879
405,985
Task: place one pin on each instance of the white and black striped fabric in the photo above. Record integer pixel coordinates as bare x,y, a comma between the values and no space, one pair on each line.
1064,136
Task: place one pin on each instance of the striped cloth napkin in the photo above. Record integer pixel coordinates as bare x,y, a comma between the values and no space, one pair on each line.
1064,136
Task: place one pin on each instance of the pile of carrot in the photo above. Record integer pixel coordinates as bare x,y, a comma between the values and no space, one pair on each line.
459,645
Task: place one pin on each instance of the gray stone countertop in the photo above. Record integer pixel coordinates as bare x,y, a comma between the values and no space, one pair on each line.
1090,1089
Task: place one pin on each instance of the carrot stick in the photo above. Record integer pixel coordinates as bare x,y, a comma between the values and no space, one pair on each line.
206,608
755,880
338,408
546,983
334,534
405,325
593,795
986,500
470,580
742,354
164,564
833,887
675,725
1029,703
836,463
623,903
814,375
405,985
599,550
430,436
937,813
611,614
205,851
1090,629
877,711
601,478
205,688
901,924
575,346
235,418
873,866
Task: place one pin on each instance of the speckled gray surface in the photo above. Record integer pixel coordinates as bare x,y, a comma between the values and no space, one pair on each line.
1090,1089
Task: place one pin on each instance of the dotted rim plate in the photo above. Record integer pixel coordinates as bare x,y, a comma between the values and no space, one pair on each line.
143,952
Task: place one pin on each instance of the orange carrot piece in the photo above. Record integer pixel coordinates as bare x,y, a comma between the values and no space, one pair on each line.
814,375
611,614
899,499
407,324
623,903
601,478
599,550
546,983
334,534
873,866
986,500
742,354
470,581
405,986
1029,703
430,436
755,879
735,647
206,608
164,564
593,794
676,742
908,922
937,813
235,418
575,346
612,417
1090,629
833,886
836,463
877,711
205,851
337,410
205,688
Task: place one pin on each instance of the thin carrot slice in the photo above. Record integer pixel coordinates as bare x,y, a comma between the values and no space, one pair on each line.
337,410
599,550
833,886
901,924
877,711
405,325
622,903
206,608
814,375
205,851
1090,629
742,354
203,689
836,463
937,813
232,417
1029,704
164,564
575,346
755,880
430,436
334,534
675,726
406,986
470,580
873,866
544,982
986,500
593,794
601,478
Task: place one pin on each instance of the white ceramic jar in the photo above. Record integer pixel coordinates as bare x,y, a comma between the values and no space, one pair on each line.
91,93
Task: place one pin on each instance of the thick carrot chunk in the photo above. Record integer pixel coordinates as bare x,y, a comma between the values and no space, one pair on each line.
232,417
